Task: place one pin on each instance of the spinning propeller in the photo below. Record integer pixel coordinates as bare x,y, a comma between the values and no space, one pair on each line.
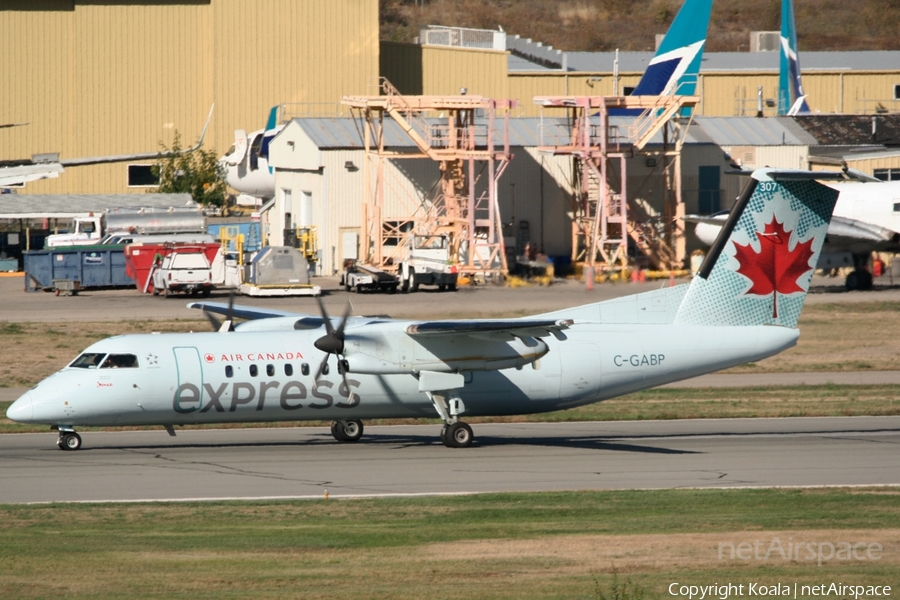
332,343
228,324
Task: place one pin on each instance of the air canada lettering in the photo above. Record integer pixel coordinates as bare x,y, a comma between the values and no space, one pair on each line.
260,356
290,396
639,360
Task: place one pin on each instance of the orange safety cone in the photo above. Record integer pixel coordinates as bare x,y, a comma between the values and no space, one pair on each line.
589,277
671,279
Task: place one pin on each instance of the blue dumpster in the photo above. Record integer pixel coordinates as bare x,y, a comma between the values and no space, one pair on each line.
90,266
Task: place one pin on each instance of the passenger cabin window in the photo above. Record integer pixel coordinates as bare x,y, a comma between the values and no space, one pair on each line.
88,360
120,361
304,369
270,370
229,371
896,206
325,369
288,370
253,371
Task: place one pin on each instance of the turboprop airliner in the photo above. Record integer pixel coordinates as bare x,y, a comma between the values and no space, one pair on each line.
279,366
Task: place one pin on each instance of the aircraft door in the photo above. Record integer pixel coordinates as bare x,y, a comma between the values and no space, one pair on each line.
189,394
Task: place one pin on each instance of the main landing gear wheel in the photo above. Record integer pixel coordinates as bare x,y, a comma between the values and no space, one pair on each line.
860,279
347,431
69,441
457,435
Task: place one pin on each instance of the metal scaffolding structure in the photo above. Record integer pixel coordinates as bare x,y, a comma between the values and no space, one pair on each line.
472,150
604,215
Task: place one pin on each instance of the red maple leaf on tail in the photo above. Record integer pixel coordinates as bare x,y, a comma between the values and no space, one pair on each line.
774,269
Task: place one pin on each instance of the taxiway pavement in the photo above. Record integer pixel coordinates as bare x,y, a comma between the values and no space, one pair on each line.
409,459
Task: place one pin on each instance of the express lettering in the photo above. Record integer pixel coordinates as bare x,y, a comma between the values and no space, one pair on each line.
639,360
187,397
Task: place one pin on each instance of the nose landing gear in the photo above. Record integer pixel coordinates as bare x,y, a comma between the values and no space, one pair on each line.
68,440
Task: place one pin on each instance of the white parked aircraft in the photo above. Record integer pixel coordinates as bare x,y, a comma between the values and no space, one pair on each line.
49,166
247,161
742,307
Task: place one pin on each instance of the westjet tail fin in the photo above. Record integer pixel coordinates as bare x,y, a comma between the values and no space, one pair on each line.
791,99
676,65
759,268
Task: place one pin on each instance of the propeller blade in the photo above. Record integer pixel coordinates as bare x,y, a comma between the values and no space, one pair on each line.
321,367
340,330
216,324
229,318
343,371
328,328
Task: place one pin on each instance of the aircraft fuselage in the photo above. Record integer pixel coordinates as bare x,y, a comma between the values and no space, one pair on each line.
255,376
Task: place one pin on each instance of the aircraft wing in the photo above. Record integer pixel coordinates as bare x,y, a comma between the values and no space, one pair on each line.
852,230
842,231
21,174
249,313
706,220
492,329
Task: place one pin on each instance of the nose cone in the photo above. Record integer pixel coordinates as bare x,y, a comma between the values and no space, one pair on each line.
22,410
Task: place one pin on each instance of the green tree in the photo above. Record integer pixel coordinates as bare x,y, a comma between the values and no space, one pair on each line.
197,173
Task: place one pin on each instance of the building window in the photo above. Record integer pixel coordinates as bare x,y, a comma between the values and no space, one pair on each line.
897,92
887,174
142,176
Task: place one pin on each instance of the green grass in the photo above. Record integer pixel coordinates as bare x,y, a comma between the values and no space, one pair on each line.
676,403
540,545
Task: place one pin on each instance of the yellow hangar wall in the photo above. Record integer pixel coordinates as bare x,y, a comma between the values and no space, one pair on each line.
99,79
724,94
432,70
442,70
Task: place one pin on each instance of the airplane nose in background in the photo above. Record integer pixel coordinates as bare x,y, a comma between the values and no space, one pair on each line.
22,410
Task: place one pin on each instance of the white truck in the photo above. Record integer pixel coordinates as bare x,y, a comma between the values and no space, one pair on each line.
428,263
147,223
358,278
184,270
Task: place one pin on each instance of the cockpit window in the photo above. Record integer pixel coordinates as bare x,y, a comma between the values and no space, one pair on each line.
120,361
88,360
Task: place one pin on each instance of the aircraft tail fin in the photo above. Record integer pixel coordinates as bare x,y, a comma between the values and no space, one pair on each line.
675,67
759,269
791,99
272,121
